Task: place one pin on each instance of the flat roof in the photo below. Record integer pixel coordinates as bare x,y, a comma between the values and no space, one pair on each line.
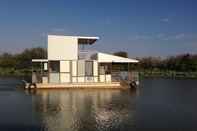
82,39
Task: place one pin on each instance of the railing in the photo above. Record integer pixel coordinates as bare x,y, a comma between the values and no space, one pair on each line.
85,54
125,76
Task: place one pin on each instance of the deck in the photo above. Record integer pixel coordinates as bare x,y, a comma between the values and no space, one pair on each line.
113,85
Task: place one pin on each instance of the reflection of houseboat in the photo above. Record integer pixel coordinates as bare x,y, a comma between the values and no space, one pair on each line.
69,66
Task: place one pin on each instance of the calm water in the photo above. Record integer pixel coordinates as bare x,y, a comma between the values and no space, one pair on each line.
158,104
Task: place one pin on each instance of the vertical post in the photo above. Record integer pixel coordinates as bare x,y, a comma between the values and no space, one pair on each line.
48,66
98,70
41,72
128,75
32,69
111,72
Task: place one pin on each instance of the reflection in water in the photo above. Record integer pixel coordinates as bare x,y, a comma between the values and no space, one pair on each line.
79,110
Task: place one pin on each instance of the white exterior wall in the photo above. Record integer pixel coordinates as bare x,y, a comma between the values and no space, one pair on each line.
44,79
64,77
64,66
62,48
74,79
74,68
95,68
65,71
81,79
102,78
95,79
108,78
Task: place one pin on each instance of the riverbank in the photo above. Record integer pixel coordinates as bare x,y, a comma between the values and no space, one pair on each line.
14,72
169,74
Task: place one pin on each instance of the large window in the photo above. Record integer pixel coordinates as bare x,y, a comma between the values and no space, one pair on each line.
85,68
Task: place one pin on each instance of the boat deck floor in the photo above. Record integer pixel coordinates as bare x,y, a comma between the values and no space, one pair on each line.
111,85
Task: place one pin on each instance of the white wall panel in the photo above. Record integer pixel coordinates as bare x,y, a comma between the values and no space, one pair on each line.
44,79
74,79
95,79
62,48
102,78
74,68
81,79
64,77
45,66
108,78
64,66
95,68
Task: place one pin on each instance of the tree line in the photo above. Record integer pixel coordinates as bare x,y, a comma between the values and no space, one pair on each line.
180,63
20,63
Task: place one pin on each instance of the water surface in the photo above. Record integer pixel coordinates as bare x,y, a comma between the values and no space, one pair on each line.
159,104
60,110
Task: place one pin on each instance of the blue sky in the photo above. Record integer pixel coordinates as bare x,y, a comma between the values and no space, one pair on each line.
140,27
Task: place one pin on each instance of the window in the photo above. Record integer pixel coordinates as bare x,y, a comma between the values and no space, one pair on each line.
54,66
85,68
105,69
81,68
89,68
102,70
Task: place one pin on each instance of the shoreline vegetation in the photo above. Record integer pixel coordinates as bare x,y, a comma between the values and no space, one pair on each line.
180,66
169,74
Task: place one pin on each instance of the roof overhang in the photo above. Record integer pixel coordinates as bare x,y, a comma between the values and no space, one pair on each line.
108,58
87,40
39,60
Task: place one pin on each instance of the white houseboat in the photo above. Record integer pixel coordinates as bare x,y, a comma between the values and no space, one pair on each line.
69,65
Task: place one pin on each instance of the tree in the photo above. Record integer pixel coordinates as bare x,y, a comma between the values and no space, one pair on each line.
121,53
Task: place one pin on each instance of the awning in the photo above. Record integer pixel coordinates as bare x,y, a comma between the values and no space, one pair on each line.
39,60
108,58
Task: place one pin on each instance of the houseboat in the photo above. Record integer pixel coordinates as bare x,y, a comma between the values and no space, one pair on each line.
70,65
